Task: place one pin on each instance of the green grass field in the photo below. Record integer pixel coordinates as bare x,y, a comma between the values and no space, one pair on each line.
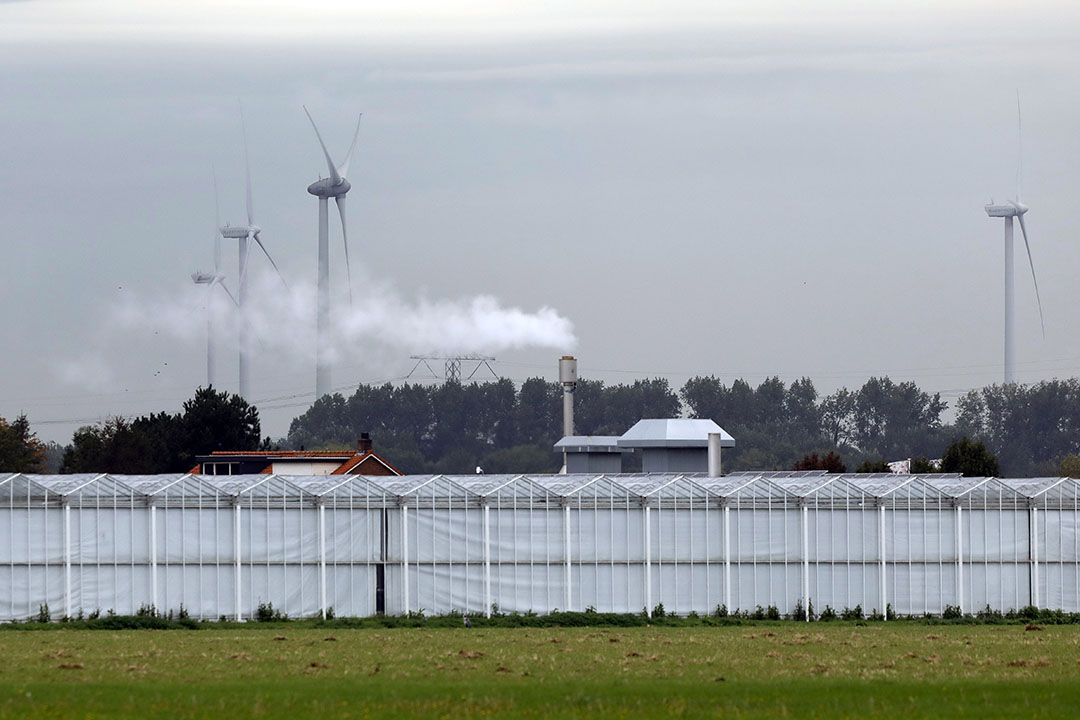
826,670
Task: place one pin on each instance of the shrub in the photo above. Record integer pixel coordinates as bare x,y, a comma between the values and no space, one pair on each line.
854,613
828,614
43,615
799,613
952,612
267,613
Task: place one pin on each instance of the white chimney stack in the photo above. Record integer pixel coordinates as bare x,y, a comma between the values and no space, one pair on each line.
714,454
568,378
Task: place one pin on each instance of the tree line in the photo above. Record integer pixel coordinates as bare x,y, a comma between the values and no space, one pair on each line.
501,427
453,427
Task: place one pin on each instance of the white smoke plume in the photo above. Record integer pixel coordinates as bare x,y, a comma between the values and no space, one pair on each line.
283,320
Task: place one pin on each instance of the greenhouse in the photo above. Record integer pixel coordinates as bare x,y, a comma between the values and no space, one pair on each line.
221,546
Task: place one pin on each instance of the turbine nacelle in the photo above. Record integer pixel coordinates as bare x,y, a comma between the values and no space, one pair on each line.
238,232
201,278
235,232
1006,209
325,188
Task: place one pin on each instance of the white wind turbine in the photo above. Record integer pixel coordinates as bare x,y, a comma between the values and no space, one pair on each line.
244,233
1014,209
335,186
210,280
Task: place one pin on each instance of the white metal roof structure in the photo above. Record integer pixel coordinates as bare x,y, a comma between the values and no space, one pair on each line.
673,432
623,542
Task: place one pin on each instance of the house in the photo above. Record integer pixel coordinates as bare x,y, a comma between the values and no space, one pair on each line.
362,461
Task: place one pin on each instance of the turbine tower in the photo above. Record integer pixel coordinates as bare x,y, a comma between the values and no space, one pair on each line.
210,280
1014,209
335,186
245,233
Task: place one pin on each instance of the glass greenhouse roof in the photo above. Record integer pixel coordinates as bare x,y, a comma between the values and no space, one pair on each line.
475,488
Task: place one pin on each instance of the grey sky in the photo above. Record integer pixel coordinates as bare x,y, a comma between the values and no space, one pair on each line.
744,189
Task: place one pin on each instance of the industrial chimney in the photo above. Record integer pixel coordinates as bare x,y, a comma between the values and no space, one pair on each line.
568,378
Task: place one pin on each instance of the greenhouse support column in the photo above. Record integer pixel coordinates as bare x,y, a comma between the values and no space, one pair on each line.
566,525
236,550
153,558
405,557
959,561
727,559
487,561
806,559
1035,556
884,593
648,562
67,559
322,558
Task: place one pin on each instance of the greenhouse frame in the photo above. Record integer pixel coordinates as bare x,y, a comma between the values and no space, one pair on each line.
221,546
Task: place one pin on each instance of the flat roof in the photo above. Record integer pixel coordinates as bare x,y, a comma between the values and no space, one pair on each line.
590,444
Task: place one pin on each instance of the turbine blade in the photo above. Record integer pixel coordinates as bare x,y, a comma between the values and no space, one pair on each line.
247,168
227,291
1023,229
1019,145
217,221
334,176
267,254
344,169
345,239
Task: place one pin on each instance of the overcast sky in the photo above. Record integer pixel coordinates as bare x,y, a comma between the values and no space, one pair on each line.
741,189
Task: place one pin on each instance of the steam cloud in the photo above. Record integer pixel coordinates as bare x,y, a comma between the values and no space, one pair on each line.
283,320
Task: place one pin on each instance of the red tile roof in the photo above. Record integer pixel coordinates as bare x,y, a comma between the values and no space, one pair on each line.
287,454
356,460
351,459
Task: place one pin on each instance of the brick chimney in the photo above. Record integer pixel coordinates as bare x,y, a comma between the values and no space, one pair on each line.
364,443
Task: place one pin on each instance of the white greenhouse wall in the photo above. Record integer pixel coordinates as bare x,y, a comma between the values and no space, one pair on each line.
221,546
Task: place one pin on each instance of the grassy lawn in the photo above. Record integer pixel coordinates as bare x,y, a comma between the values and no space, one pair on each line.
825,670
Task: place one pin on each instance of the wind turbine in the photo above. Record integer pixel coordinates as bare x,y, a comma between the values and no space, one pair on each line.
210,280
1014,209
244,233
335,186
